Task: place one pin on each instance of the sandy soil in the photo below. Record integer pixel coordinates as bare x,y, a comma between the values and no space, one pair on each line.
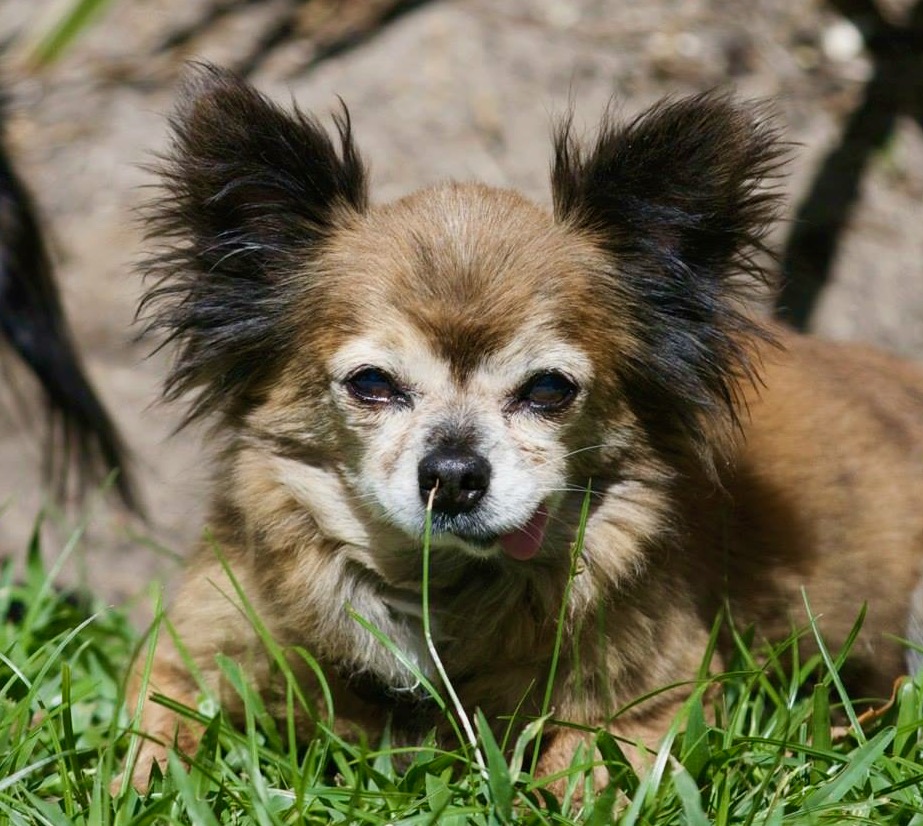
455,88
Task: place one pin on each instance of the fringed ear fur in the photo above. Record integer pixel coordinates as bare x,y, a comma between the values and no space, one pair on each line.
678,199
247,191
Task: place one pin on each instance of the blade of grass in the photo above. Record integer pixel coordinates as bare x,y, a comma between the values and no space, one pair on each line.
199,810
832,667
65,30
401,657
12,780
821,737
691,799
134,743
498,776
576,552
695,752
431,645
853,773
908,720
526,736
69,740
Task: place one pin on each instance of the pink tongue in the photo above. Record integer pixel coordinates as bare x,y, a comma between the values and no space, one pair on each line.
524,542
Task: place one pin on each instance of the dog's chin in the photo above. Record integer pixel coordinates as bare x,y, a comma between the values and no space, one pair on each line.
521,543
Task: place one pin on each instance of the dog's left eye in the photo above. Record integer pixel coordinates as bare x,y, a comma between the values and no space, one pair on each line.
374,386
546,392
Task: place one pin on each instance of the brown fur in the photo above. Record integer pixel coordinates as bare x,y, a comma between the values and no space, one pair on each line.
819,487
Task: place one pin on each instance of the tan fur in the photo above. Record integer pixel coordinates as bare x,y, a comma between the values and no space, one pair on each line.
467,285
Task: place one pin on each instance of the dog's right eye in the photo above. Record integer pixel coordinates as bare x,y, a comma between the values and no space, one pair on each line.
374,386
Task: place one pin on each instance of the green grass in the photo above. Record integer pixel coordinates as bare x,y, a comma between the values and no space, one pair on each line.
52,36
771,756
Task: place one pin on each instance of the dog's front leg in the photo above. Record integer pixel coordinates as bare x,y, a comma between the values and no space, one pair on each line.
659,662
639,735
209,619
162,728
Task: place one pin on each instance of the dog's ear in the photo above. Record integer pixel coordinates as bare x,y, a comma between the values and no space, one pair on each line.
248,192
678,198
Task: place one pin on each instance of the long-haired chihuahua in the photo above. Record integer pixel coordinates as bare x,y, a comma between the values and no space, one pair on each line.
465,347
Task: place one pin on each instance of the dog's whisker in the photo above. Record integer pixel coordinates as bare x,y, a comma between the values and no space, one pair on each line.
581,489
549,460
587,448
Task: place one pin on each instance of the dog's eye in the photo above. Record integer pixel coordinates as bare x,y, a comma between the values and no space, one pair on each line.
547,392
374,386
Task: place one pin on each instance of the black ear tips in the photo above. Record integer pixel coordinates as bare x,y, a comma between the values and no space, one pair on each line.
200,77
210,92
249,193
199,80
688,156
689,180
679,198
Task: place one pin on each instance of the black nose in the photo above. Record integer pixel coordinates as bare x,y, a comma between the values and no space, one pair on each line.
459,475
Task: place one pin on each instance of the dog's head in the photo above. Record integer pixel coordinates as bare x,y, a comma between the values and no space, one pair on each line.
460,344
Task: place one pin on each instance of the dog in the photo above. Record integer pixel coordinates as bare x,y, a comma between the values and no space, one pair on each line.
467,351
84,445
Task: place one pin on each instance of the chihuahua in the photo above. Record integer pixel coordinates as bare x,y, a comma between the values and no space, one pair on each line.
515,378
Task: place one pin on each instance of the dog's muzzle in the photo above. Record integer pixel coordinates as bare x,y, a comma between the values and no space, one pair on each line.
459,475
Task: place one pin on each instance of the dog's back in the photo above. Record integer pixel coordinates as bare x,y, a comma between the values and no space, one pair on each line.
827,495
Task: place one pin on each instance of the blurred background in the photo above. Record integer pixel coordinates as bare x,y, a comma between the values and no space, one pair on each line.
437,89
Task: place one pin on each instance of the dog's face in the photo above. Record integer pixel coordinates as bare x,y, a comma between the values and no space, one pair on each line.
456,366
460,346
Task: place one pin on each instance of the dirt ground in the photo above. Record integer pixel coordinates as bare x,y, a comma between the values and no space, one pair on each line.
444,89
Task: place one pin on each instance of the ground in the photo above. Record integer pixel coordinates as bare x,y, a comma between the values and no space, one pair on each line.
462,89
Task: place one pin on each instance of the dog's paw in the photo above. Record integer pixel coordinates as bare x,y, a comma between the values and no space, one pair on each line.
151,753
163,731
569,753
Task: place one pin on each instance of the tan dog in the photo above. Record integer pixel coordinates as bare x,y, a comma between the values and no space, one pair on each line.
357,357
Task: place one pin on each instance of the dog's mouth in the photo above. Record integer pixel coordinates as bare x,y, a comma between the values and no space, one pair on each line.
525,542
522,543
